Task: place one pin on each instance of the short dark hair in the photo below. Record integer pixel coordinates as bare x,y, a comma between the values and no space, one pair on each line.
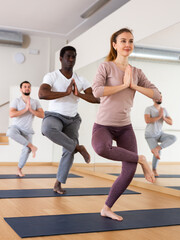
67,48
23,83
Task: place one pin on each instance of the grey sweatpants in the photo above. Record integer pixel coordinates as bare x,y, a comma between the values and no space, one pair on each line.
24,139
62,130
165,140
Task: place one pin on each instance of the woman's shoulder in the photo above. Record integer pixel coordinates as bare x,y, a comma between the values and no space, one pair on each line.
137,71
105,67
108,65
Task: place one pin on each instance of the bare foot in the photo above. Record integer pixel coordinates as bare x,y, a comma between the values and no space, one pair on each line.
19,173
155,173
149,175
82,150
33,150
155,152
107,212
57,188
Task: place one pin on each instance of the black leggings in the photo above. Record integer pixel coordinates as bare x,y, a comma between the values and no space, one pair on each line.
126,151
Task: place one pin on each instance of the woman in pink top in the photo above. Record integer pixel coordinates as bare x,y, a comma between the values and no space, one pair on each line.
115,84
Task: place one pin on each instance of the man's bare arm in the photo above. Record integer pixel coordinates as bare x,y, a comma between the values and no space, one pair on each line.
46,93
87,95
13,112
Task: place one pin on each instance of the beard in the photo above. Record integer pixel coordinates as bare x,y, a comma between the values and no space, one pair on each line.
158,102
26,93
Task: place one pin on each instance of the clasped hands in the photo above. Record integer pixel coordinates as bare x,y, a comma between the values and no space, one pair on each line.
28,105
128,78
72,88
161,113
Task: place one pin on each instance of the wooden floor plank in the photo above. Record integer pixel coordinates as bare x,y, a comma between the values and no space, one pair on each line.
69,205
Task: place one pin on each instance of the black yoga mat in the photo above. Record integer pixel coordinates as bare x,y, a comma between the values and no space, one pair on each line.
174,187
92,222
33,193
160,176
13,176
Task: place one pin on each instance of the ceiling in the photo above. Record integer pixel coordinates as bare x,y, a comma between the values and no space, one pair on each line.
52,18
61,19
168,38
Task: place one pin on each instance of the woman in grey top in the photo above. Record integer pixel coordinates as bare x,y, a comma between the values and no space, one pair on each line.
116,83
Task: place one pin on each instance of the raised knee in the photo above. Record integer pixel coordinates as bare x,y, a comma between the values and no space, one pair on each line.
174,138
11,132
45,130
101,150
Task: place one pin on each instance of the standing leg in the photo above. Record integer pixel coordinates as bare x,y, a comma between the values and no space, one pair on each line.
126,151
24,156
17,135
127,141
71,130
155,149
65,165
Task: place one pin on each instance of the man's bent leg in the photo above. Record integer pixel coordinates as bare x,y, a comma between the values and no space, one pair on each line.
52,128
14,133
166,140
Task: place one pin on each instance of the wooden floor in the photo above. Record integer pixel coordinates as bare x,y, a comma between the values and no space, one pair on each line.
164,168
87,204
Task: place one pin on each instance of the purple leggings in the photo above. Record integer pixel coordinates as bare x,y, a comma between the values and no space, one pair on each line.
126,151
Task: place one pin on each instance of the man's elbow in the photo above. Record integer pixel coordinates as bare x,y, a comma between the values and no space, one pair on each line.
41,95
148,121
97,100
11,115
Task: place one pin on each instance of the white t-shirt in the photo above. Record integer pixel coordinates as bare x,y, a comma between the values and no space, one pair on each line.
154,129
24,121
59,83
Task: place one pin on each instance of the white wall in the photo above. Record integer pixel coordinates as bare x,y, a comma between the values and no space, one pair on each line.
11,75
32,70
